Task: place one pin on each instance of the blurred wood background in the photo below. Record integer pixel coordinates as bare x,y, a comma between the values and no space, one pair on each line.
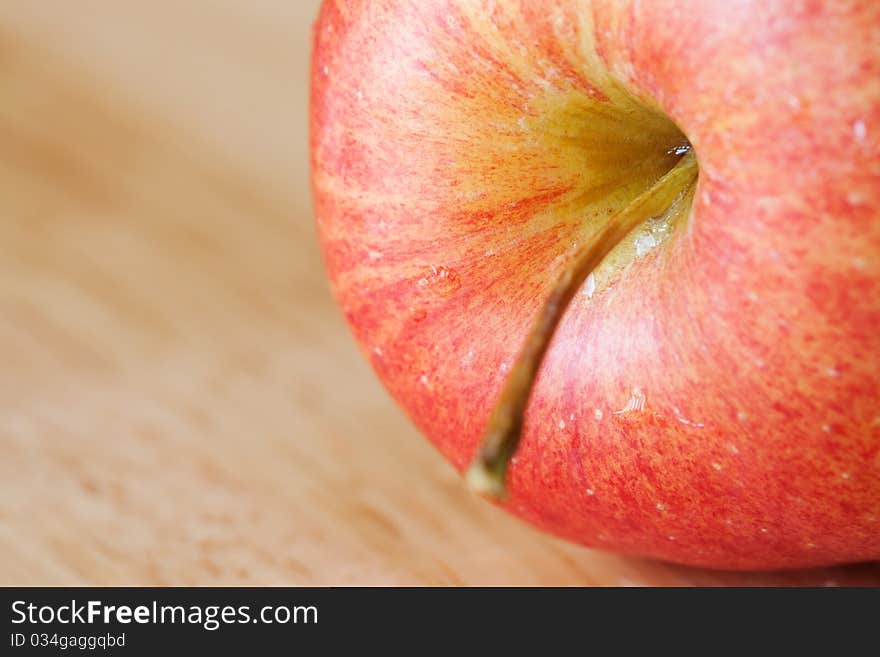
180,402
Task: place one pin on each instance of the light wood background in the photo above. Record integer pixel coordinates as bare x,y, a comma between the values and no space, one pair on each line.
180,402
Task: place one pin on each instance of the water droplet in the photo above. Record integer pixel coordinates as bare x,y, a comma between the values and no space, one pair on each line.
591,492
636,403
590,286
644,243
441,280
854,198
598,414
860,130
685,421
562,424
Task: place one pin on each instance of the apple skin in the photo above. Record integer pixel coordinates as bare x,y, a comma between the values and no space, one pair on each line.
717,403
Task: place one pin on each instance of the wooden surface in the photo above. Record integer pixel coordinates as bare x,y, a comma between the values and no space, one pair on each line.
180,402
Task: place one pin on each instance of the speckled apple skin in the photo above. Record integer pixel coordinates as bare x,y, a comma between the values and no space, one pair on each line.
716,404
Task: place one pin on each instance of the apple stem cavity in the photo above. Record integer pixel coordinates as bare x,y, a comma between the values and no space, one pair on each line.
487,473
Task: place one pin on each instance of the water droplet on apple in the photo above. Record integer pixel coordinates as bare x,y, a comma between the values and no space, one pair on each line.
590,286
685,421
854,198
440,280
860,130
644,243
636,403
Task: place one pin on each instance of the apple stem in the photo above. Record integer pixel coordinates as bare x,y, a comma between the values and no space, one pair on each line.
487,472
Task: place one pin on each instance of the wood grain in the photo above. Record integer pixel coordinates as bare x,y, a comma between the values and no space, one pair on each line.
180,402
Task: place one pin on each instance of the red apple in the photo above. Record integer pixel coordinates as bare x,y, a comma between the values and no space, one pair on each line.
710,395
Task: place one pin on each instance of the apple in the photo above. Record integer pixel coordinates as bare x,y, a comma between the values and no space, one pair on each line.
620,260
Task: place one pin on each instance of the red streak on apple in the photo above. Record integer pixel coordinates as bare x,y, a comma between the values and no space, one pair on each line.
714,400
